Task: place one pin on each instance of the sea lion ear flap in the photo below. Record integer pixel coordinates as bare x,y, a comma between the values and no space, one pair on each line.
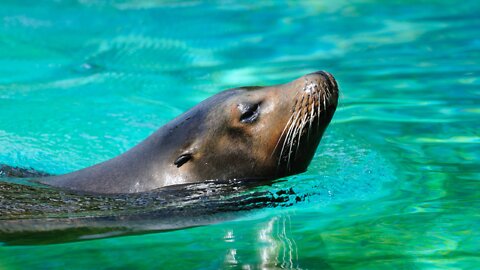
182,159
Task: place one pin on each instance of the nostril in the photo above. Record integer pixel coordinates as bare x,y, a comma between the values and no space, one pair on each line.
329,78
310,87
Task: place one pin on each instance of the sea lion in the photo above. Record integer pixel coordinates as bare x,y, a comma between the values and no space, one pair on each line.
241,133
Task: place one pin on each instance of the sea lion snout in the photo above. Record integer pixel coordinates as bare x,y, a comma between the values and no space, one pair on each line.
324,87
326,82
323,75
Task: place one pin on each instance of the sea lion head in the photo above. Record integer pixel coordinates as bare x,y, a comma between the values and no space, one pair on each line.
246,133
257,132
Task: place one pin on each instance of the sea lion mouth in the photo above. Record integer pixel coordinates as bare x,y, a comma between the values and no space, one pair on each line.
312,110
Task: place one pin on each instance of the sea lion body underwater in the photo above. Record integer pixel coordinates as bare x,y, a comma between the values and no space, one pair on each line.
241,133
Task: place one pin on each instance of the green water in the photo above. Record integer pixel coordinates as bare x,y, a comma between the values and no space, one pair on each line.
395,183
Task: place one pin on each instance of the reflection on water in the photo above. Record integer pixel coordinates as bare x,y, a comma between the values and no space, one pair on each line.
281,249
276,246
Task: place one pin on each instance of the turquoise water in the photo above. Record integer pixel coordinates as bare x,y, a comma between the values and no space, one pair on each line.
394,183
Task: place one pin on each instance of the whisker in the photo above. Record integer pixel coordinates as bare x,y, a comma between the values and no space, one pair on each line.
283,132
292,139
324,103
311,119
281,135
319,110
286,141
303,124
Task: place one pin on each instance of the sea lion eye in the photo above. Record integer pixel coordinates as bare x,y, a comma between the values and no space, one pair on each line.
249,112
182,159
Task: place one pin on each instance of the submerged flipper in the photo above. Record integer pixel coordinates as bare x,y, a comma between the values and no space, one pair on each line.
17,172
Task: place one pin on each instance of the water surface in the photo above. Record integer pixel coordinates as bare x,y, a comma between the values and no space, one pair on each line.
394,183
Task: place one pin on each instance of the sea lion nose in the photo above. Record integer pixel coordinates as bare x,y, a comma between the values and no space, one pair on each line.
327,77
319,79
325,83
